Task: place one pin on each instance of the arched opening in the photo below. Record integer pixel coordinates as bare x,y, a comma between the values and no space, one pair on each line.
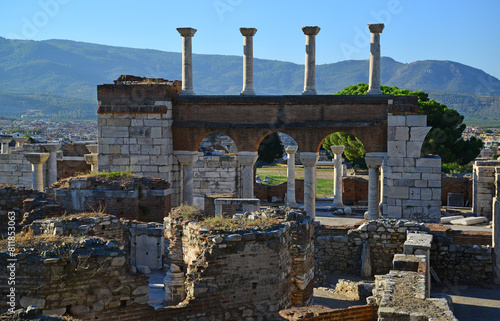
276,162
342,155
217,144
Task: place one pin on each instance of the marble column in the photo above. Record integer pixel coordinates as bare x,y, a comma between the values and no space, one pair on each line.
51,162
5,144
247,160
187,159
309,161
187,60
373,162
496,222
337,180
248,34
374,82
310,67
20,141
290,173
37,160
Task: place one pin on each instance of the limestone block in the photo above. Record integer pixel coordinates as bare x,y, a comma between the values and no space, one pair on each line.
415,193
393,161
426,194
26,301
412,176
418,134
436,183
413,149
470,221
396,149
421,183
401,133
409,162
137,122
436,193
446,220
397,192
396,120
394,211
431,177
416,120
114,132
429,162
124,122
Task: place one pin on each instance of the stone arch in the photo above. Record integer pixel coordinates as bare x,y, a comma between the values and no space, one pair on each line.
219,141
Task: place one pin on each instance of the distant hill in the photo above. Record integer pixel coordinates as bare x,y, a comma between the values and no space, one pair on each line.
60,77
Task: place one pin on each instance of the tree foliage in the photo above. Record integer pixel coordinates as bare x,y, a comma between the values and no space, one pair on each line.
445,137
354,148
270,148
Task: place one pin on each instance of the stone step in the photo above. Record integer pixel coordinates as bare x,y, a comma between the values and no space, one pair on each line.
448,219
470,221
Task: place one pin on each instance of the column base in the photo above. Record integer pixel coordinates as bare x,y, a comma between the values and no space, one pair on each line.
292,205
187,92
337,205
374,92
309,92
248,92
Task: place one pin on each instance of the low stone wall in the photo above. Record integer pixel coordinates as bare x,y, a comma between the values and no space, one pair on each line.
74,276
11,200
321,313
227,209
137,198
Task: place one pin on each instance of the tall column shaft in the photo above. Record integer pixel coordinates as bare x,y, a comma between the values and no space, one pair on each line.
309,161
187,60
247,161
374,81
310,64
374,162
290,171
248,34
187,160
337,180
51,162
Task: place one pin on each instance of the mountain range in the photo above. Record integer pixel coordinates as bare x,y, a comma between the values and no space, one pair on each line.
60,77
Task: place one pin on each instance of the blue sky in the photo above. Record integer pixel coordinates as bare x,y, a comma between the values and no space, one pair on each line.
464,31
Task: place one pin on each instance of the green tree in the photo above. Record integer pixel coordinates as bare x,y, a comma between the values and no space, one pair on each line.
354,148
270,148
445,137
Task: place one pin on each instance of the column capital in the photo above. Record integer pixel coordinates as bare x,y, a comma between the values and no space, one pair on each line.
311,30
21,140
187,32
291,149
309,159
90,159
5,140
247,158
93,148
337,149
37,158
376,27
186,157
374,160
248,32
49,148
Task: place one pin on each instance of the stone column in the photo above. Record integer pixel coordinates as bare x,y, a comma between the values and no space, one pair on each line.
92,158
374,85
290,174
496,225
309,161
187,60
51,162
248,34
37,160
247,160
174,286
374,162
187,159
337,181
310,67
5,144
20,141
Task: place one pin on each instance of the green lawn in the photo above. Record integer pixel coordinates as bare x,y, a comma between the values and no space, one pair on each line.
324,187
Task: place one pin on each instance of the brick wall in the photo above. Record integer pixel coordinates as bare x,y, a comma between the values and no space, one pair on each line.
456,185
354,189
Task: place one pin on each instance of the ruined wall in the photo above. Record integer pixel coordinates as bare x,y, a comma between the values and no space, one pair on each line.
137,198
12,199
412,185
73,160
217,174
321,313
267,192
15,170
450,184
79,277
483,187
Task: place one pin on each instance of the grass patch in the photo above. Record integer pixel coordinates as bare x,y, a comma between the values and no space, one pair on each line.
186,211
324,187
115,174
226,224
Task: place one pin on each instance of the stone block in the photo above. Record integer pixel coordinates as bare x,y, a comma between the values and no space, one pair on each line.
396,149
413,149
448,219
416,120
396,120
421,183
401,133
431,177
429,162
418,134
114,132
397,192
26,301
470,221
393,161
394,211
415,193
